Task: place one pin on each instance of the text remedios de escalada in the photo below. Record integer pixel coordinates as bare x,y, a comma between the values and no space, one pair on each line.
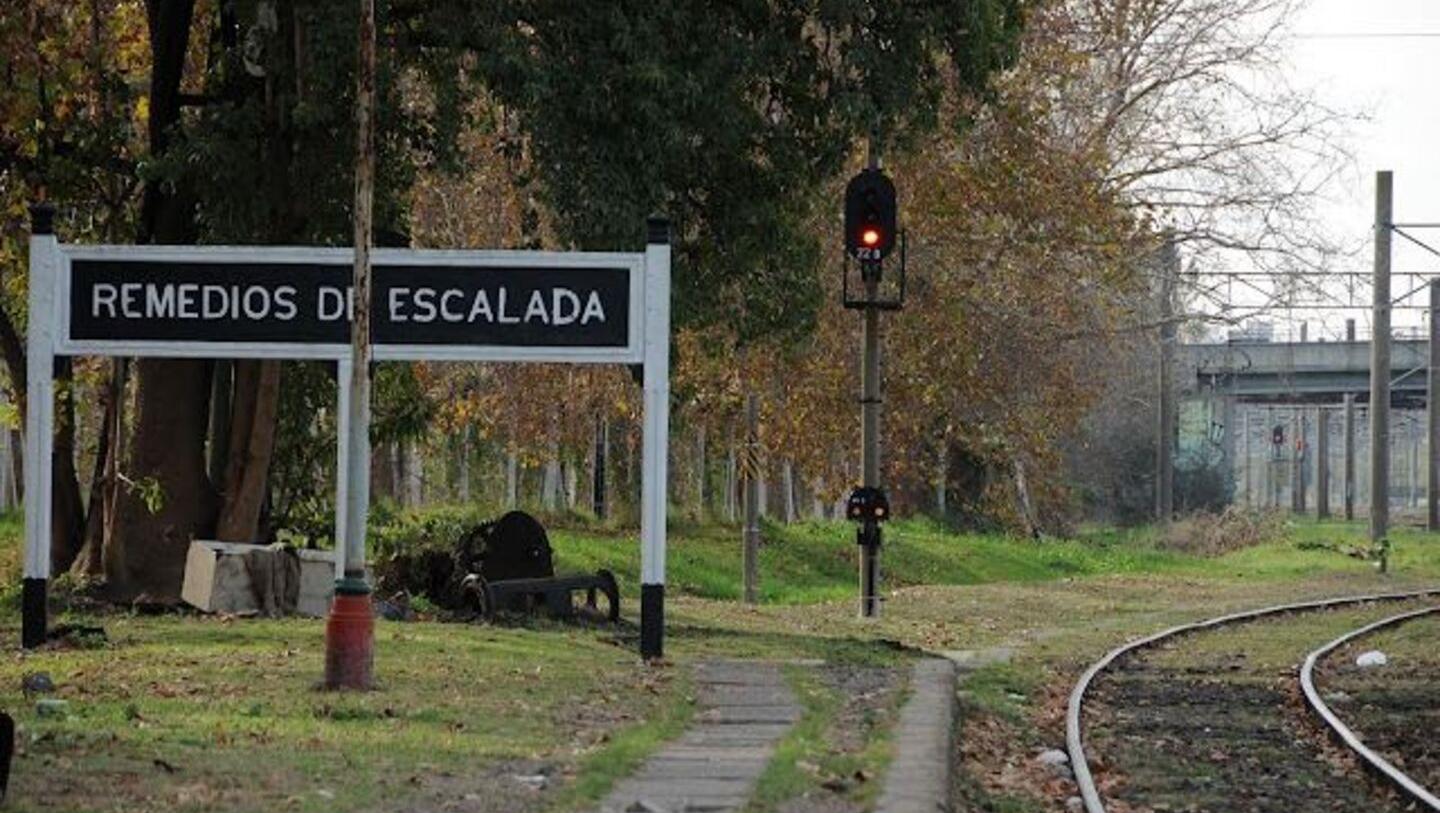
145,300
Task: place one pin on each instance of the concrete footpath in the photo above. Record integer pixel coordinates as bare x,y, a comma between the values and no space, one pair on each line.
745,708
918,780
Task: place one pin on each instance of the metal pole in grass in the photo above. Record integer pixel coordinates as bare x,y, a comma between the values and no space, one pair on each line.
350,631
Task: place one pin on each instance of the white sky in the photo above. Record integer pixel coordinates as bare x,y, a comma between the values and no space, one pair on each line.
1396,82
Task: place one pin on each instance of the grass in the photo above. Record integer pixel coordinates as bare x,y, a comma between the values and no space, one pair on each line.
229,708
175,711
820,754
815,561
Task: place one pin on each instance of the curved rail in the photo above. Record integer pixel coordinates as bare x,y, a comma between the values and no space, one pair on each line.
1307,684
1073,741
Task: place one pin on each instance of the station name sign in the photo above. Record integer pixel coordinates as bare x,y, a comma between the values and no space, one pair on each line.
264,302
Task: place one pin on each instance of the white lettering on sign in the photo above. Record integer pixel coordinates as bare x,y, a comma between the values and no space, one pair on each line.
425,305
190,301
103,297
445,312
396,295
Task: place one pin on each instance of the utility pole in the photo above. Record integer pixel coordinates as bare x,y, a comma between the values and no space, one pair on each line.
1322,463
1165,418
1349,475
750,563
1380,362
350,631
1432,415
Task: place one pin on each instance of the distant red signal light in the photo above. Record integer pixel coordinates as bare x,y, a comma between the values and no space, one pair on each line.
870,237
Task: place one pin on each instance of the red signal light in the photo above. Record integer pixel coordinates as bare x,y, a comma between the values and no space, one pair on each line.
870,237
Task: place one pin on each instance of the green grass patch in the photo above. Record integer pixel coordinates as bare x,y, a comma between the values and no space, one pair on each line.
625,752
813,757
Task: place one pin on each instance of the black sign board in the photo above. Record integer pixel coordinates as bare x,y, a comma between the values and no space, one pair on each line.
125,300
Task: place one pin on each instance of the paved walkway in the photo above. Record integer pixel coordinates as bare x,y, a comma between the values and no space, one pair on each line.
919,777
745,708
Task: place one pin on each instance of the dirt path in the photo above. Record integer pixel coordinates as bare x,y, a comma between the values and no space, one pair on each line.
1212,723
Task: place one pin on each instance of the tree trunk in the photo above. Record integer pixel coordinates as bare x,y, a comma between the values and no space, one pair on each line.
751,469
222,394
7,483
787,473
602,446
700,473
762,493
101,509
252,444
414,473
550,487
941,476
92,562
148,554
67,533
16,462
463,474
1022,491
732,478
398,475
512,478
173,395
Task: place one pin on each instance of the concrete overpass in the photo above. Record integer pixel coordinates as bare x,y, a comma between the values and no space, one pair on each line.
1301,372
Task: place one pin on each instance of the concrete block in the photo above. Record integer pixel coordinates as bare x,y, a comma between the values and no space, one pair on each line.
216,580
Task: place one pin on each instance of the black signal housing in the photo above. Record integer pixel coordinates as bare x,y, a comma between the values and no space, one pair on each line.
867,504
870,216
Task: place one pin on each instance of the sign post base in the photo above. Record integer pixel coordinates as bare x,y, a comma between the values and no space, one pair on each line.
350,638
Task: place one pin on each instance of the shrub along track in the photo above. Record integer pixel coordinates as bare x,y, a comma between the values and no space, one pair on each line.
1395,707
1218,729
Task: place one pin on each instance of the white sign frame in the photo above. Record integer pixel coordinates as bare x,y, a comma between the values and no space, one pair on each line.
633,263
49,336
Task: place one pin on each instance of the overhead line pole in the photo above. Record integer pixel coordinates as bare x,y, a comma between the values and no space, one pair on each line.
1380,362
1432,415
1165,418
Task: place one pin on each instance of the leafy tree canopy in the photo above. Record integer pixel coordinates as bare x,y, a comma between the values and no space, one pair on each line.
728,117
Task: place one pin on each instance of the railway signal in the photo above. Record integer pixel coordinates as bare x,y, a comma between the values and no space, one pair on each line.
870,216
871,235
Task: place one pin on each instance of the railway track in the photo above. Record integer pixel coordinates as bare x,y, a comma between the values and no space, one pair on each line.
1089,793
1402,781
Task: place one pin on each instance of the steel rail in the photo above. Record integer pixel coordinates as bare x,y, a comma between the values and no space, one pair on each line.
1074,743
1373,760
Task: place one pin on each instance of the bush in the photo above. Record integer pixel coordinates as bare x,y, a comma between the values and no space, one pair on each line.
414,552
1211,534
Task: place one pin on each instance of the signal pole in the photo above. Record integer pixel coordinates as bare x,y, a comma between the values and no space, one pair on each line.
871,234
870,434
1380,362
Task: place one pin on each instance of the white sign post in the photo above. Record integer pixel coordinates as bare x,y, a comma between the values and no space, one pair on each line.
291,303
